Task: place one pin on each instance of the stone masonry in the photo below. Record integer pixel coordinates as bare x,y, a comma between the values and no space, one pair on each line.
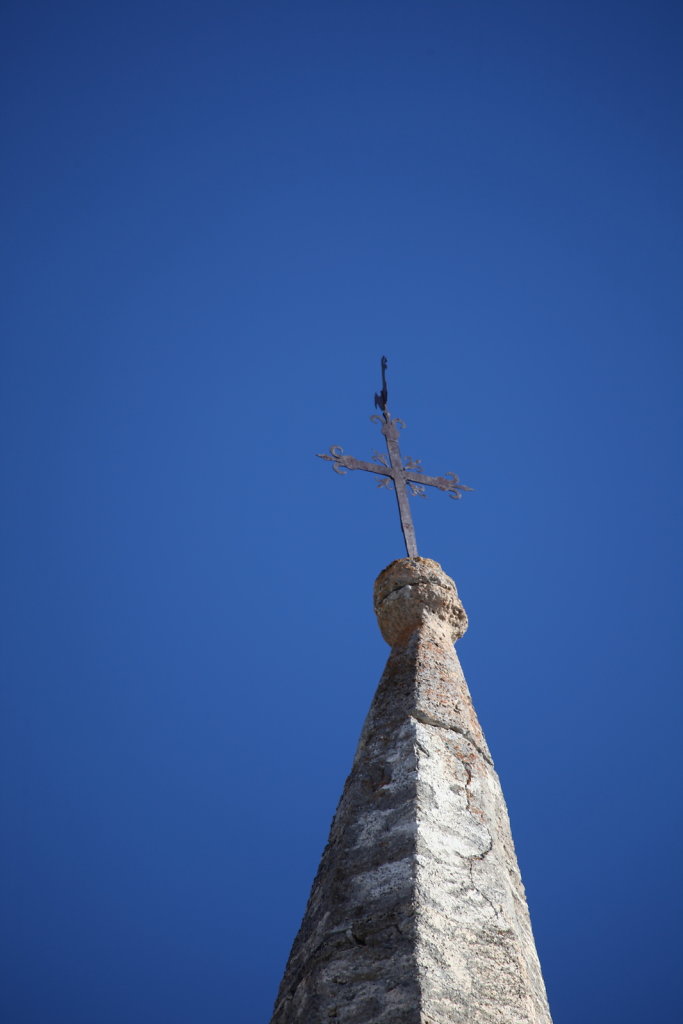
417,914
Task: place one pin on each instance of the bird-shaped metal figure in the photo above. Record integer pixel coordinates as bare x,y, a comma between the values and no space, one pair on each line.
381,396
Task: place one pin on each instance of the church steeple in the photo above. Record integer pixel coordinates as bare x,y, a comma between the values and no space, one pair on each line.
417,914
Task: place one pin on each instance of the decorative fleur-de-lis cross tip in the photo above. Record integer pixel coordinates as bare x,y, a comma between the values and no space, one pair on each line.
402,472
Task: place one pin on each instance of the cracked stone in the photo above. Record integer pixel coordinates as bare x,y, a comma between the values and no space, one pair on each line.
418,912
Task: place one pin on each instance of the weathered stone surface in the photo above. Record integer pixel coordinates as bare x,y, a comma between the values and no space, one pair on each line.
417,914
412,592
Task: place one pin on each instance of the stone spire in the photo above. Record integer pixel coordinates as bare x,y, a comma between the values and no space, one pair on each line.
417,914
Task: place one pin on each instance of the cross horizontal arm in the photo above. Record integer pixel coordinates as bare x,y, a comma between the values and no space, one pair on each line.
450,482
342,463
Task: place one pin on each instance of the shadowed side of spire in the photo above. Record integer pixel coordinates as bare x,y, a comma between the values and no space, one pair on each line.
417,914
354,959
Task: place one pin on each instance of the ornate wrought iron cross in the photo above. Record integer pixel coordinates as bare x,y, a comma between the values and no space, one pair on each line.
403,473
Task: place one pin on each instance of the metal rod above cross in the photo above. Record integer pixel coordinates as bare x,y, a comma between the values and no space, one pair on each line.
403,473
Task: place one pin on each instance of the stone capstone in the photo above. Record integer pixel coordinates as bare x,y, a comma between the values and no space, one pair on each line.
414,592
417,914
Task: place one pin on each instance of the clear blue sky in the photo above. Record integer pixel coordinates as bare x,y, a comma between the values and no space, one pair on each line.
217,217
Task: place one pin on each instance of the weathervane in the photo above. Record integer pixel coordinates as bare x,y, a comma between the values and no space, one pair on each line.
404,473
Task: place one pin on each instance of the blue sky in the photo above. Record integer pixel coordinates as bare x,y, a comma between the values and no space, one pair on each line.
217,217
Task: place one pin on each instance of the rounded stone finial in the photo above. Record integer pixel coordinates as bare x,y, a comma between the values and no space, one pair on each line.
413,592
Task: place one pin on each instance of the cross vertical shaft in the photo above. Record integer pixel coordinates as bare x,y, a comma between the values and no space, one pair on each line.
390,431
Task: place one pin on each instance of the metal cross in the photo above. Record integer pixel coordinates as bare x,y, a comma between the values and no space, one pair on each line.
404,473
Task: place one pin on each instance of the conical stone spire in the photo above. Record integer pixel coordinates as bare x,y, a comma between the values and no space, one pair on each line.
417,914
